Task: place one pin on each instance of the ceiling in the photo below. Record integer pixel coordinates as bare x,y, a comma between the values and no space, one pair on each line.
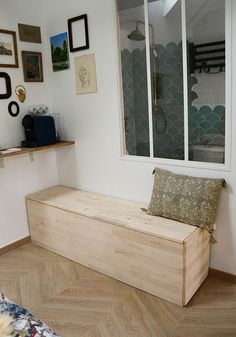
126,4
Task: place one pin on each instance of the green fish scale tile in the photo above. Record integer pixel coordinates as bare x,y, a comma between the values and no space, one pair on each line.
211,130
199,131
165,69
179,140
178,67
213,117
205,125
172,61
192,81
205,110
160,49
220,125
171,47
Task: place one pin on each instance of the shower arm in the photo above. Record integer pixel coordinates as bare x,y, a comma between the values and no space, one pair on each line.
153,64
151,26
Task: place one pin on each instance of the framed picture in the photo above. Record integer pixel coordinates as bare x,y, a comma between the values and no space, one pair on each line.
7,91
59,52
8,49
32,66
29,33
78,33
86,78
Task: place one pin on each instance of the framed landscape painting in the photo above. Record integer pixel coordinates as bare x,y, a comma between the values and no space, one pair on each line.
8,49
59,52
32,66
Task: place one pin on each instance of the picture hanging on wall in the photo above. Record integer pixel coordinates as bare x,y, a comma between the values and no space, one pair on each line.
8,49
7,91
86,78
59,52
29,33
13,109
32,66
78,33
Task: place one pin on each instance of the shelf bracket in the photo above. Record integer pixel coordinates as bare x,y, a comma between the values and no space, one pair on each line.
1,163
31,156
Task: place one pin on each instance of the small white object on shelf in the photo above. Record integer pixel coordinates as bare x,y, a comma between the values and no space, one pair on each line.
38,109
10,150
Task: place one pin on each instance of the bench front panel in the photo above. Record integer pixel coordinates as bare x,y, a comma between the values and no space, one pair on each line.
144,261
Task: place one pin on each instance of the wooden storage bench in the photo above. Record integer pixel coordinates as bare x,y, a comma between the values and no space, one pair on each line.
115,237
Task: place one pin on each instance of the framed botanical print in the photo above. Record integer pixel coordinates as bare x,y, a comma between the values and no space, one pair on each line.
32,66
8,49
85,72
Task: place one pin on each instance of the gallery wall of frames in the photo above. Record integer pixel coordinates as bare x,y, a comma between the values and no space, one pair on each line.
74,40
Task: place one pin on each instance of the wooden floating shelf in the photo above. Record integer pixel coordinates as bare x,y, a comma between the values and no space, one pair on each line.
28,150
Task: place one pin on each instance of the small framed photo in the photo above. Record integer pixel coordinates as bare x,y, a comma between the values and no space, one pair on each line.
78,33
59,52
32,66
29,33
8,49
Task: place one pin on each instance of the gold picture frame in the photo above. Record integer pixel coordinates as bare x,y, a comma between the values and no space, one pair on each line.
8,49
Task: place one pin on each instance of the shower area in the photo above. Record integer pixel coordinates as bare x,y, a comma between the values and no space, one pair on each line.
154,78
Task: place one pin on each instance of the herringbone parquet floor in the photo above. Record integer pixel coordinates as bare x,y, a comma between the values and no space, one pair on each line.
79,302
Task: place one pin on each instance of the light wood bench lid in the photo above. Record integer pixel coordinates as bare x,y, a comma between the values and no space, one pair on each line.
115,211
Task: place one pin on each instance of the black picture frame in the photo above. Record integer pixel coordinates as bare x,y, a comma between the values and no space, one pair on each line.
10,109
72,32
8,92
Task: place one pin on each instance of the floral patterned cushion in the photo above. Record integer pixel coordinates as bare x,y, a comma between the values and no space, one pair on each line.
23,322
190,200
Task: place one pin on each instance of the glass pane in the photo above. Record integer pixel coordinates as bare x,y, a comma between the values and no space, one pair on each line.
134,76
206,80
167,78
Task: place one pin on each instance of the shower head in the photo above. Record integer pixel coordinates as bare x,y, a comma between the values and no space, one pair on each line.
136,35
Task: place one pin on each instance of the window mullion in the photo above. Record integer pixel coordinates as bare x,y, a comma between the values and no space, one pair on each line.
149,77
185,79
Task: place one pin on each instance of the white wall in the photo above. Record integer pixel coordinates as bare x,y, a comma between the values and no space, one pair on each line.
210,89
21,177
166,29
168,5
93,121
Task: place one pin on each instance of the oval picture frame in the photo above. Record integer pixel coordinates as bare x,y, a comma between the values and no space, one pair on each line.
10,106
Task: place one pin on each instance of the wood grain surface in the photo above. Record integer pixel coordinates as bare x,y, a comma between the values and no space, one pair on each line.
163,257
26,150
77,301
